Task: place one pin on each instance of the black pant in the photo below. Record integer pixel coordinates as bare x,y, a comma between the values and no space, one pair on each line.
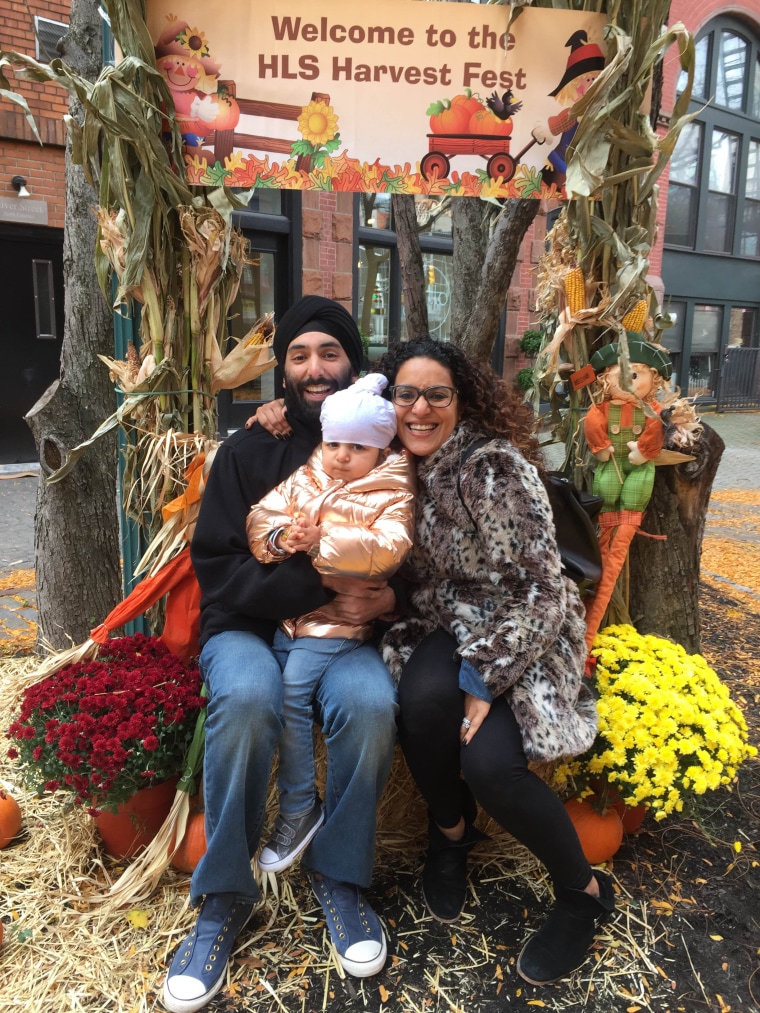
493,764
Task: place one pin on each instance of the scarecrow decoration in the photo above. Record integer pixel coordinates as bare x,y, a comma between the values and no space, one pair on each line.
584,65
625,434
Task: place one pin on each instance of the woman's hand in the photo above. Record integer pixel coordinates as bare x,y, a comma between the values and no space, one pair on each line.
273,418
475,712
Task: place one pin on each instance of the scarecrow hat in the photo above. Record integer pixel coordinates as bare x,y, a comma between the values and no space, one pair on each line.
638,351
585,57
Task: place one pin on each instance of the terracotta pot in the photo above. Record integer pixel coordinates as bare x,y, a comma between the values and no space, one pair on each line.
631,816
137,821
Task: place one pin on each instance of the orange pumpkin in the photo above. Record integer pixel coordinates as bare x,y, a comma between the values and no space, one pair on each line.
468,102
10,819
485,122
600,833
192,847
228,111
447,118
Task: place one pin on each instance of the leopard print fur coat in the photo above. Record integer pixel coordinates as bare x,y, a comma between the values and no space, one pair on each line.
485,567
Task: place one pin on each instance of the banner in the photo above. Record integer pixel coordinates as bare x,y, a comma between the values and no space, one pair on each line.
397,97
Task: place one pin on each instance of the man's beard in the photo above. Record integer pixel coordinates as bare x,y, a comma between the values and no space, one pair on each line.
310,410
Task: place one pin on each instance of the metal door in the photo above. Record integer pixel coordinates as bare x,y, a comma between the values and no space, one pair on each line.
738,385
31,332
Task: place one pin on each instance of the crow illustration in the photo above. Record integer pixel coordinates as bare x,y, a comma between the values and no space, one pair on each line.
503,107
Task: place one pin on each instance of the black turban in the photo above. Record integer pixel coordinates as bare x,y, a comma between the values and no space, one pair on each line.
327,316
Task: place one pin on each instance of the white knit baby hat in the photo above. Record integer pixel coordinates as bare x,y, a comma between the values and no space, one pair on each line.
359,414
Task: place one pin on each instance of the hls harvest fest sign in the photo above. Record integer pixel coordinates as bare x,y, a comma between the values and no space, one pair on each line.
399,97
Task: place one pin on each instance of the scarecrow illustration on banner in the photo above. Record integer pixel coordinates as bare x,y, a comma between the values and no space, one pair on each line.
585,63
625,434
203,104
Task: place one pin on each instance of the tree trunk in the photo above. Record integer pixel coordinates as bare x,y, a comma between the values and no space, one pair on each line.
410,258
488,299
664,582
470,235
76,534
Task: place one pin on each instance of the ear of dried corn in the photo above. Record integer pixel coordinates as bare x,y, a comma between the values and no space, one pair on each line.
635,318
575,290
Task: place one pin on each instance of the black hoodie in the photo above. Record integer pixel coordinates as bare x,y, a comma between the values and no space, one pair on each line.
238,592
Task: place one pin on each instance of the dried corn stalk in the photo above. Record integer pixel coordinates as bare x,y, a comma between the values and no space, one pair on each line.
608,229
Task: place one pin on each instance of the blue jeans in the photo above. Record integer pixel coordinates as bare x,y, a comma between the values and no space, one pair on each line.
304,662
355,701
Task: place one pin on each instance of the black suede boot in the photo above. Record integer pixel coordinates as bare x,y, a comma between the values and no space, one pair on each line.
444,878
562,942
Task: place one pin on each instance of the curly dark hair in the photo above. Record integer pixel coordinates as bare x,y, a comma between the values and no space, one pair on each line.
484,398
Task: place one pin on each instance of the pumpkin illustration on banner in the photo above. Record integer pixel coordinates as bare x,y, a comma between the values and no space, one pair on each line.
10,818
485,122
600,833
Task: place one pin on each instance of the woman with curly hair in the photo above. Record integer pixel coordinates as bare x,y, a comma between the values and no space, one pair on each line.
489,655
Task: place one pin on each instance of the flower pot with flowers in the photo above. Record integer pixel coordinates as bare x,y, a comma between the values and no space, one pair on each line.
108,729
668,729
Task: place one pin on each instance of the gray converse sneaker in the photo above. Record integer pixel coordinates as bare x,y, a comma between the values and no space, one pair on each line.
291,836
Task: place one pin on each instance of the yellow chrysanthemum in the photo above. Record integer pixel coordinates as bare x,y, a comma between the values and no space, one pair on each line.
668,728
318,123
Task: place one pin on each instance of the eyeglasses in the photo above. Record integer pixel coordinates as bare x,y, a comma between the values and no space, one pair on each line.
437,397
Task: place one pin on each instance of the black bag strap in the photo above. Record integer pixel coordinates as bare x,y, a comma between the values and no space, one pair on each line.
573,510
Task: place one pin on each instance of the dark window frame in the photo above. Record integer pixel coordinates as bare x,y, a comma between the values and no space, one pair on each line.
713,118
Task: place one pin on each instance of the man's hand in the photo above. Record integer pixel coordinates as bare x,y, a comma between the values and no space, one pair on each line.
358,601
273,418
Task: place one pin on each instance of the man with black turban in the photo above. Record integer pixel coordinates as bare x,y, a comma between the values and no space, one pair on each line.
319,348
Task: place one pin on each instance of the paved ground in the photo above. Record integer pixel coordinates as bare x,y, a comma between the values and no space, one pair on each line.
739,469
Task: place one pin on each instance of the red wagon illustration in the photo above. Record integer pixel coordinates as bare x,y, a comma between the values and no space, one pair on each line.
495,148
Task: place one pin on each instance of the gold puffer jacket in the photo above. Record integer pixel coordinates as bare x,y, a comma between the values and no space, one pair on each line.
367,528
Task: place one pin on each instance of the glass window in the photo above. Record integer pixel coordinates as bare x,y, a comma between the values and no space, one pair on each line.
699,87
44,298
438,282
719,218
684,165
742,327
255,298
723,155
376,210
672,338
750,237
266,201
433,214
705,341
374,298
681,217
731,71
683,195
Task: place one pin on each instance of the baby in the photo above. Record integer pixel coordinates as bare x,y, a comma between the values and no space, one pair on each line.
351,508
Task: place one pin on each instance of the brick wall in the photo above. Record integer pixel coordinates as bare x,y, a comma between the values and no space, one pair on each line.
20,152
328,230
